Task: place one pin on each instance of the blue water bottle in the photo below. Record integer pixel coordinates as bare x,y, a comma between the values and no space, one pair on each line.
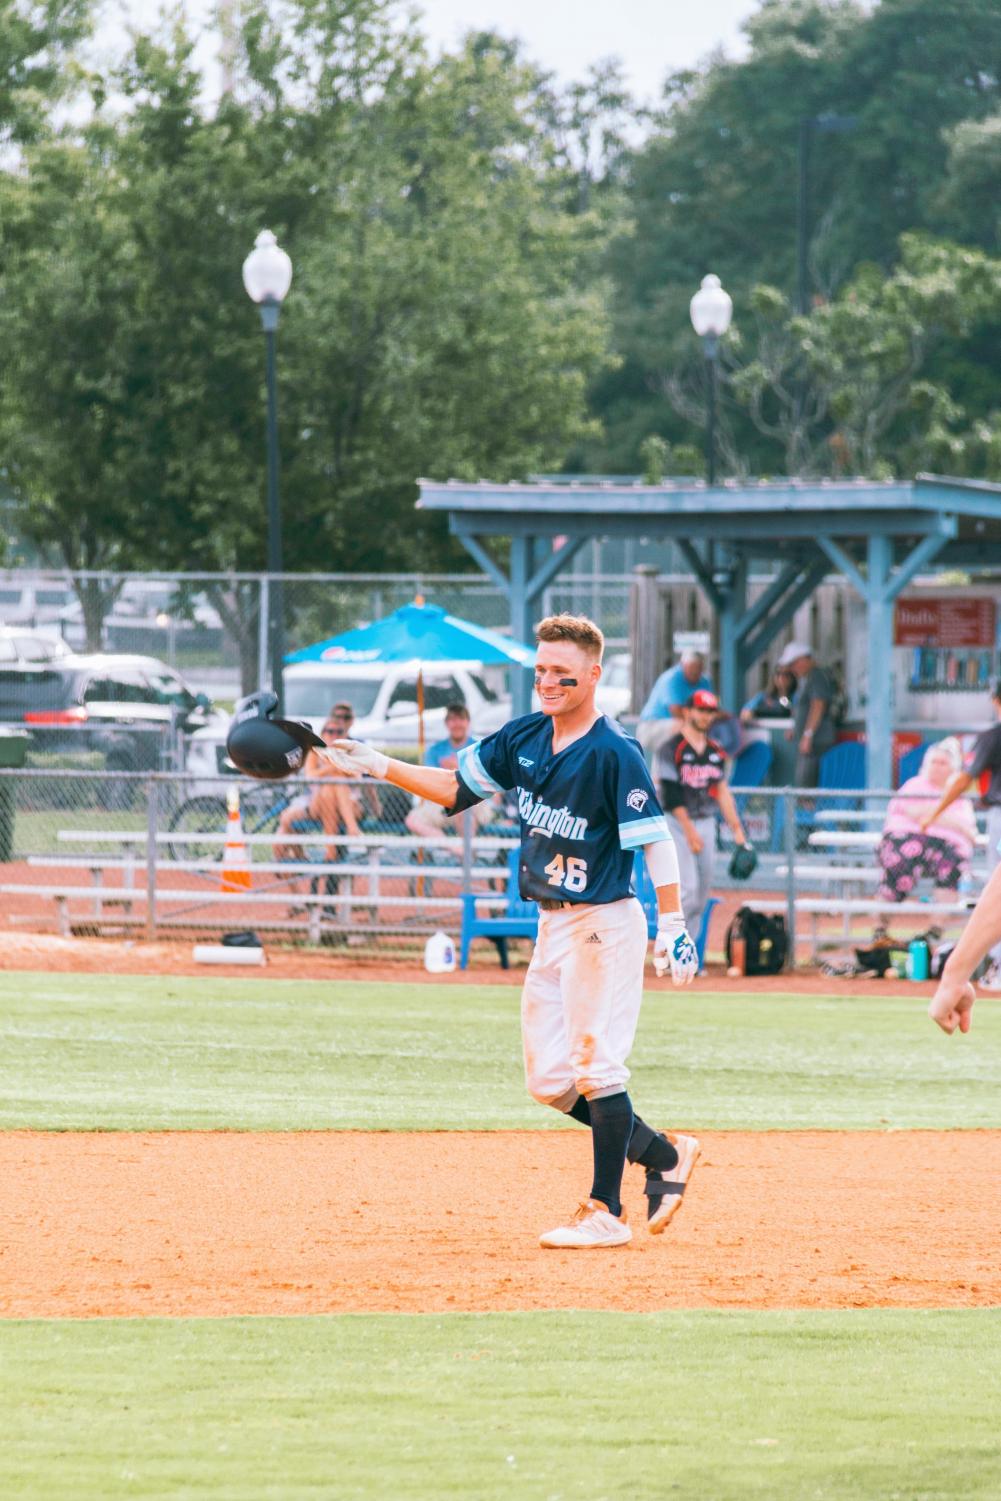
917,960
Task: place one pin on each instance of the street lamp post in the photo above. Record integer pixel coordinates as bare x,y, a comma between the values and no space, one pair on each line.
267,276
711,310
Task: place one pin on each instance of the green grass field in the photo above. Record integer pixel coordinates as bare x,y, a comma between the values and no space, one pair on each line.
699,1406
506,1407
93,1053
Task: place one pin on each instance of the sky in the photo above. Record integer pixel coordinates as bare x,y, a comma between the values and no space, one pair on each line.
651,37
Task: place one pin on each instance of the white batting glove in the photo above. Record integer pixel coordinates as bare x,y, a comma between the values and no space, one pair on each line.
673,949
353,759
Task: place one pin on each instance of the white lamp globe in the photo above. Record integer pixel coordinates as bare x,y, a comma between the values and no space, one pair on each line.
267,271
711,309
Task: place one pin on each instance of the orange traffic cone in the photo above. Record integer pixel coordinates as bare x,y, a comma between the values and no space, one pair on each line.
235,859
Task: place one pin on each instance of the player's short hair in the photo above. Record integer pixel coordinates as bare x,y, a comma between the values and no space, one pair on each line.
576,628
458,707
343,709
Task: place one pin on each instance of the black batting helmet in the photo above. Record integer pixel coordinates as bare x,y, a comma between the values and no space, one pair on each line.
264,747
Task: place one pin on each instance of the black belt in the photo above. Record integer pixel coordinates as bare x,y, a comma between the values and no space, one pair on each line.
548,905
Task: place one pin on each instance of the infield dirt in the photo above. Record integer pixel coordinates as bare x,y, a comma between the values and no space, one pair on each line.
214,1223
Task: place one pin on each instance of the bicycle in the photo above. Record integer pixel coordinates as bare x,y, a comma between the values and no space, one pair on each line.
261,807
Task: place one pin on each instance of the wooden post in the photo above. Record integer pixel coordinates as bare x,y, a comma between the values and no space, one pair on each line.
647,632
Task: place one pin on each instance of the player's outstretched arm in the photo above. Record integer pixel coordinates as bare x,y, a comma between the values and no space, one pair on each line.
953,1000
353,759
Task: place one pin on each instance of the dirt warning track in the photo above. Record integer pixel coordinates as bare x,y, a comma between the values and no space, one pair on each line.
206,1223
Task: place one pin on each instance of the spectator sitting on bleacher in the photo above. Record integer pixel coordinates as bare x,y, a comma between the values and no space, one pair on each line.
333,805
446,752
427,819
942,851
773,702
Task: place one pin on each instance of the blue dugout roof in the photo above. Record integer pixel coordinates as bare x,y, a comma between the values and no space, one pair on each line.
880,535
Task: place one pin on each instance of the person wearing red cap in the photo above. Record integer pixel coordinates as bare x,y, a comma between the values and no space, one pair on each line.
693,785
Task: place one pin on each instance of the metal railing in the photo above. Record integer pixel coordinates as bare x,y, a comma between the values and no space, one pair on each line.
107,851
117,851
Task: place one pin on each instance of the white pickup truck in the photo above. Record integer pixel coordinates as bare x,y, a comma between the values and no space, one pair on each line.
384,698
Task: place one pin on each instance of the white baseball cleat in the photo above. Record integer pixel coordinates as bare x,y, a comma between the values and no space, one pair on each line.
664,1190
592,1226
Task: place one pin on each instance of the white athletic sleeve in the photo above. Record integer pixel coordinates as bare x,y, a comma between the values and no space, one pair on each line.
662,862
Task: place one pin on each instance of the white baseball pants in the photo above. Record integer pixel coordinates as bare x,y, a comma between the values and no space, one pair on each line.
581,1001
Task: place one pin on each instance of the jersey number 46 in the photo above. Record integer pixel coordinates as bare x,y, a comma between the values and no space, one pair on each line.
571,874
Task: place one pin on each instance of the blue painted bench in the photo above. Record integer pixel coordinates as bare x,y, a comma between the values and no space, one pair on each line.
520,919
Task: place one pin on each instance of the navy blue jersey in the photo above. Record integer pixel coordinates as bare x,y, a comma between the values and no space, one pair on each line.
583,810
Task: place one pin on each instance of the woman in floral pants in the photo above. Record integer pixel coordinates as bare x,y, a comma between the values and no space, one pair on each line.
942,852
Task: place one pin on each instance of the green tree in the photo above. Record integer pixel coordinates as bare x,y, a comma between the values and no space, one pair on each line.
36,61
444,317
714,186
852,386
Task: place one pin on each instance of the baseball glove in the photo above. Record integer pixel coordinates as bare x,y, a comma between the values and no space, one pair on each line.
743,863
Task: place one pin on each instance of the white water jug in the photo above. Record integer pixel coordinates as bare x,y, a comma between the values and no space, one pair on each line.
439,954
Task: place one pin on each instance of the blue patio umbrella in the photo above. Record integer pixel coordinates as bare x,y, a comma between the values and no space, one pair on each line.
419,633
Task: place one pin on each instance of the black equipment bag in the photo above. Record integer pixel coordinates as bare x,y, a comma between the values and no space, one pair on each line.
766,941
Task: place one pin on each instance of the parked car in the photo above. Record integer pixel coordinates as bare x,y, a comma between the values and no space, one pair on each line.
22,647
38,602
127,708
614,690
384,698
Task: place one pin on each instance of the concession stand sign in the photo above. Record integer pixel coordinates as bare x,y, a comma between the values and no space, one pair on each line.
944,622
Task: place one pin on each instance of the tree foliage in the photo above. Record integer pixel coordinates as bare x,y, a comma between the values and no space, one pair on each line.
714,187
446,314
492,273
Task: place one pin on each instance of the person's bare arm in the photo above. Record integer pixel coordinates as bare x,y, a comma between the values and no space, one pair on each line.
952,1002
668,900
814,715
689,830
955,787
728,808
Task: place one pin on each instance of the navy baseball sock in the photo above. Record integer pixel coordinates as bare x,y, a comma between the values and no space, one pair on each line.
646,1146
611,1128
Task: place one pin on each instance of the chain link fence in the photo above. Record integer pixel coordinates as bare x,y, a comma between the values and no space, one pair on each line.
113,854
213,628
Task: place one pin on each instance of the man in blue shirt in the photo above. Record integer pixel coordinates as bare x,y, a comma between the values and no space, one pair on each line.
457,737
673,689
586,804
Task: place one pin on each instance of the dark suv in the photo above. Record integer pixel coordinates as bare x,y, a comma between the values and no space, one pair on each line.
130,709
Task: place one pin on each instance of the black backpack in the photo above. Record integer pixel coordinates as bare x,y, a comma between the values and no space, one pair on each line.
766,942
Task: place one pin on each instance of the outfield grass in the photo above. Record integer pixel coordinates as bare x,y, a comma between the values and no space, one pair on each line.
36,833
93,1052
506,1407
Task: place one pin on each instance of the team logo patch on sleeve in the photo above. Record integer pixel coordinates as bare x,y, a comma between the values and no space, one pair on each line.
637,799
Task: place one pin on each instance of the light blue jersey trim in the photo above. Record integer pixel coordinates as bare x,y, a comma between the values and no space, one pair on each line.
642,831
473,773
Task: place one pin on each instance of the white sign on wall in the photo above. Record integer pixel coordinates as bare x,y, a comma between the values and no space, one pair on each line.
691,641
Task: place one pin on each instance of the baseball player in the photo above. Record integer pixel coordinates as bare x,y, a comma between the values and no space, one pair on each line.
586,803
693,786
